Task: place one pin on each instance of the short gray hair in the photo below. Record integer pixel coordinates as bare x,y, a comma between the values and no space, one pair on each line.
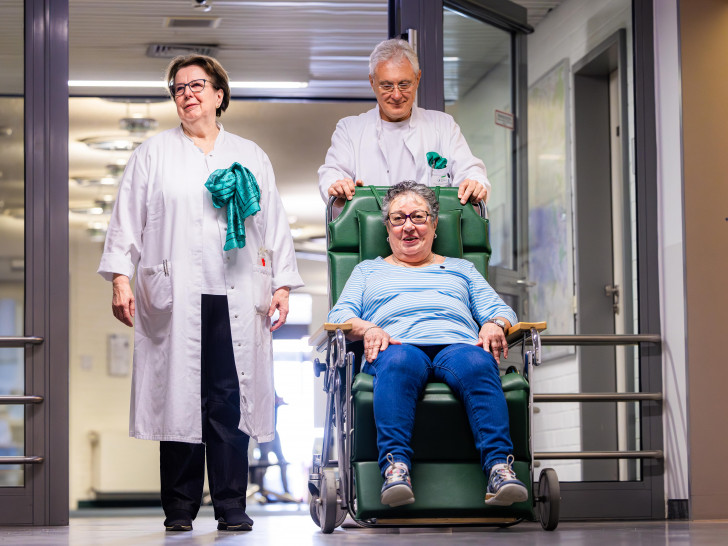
394,49
410,186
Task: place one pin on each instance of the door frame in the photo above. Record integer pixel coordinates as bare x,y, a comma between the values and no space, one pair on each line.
43,500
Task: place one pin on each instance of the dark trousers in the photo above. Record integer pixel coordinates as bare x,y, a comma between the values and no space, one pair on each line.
182,465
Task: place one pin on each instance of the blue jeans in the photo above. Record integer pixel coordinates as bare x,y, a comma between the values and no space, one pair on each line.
400,375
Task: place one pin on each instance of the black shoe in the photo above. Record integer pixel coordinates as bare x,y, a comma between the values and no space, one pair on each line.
178,520
235,519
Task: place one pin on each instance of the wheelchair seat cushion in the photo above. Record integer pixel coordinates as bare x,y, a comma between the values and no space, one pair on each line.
373,235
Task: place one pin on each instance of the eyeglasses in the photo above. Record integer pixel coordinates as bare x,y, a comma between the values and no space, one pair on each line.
388,87
196,86
417,217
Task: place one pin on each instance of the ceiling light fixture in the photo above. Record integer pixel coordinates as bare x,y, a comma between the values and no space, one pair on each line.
160,84
103,181
138,125
113,143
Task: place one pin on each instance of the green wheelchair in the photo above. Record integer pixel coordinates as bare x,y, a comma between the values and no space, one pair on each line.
448,481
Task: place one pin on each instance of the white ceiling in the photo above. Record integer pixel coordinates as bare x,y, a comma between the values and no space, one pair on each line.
323,43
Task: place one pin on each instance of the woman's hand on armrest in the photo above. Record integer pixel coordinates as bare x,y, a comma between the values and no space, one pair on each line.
375,338
493,339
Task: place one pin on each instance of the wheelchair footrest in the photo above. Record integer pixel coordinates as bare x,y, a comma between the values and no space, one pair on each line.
442,490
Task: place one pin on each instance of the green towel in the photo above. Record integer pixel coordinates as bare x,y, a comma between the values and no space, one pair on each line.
237,188
435,161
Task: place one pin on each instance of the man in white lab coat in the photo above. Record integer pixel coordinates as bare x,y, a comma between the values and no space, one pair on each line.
398,141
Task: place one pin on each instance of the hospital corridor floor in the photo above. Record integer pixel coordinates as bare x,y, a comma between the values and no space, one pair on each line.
292,525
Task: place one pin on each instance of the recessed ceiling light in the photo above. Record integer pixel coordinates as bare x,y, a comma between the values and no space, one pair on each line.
138,124
102,181
113,143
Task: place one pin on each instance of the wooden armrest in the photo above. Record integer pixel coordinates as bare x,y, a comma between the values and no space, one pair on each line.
322,333
516,331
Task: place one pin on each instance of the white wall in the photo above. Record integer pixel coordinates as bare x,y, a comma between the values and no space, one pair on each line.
672,255
570,32
99,402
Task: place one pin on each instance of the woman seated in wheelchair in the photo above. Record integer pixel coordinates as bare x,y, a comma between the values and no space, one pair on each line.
423,316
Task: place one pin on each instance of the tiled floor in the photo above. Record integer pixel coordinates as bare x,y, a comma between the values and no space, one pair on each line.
292,525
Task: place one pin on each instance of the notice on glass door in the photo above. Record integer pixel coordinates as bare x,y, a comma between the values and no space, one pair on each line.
504,119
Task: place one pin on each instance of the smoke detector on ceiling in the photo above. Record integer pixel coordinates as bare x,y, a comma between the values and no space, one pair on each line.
168,51
202,5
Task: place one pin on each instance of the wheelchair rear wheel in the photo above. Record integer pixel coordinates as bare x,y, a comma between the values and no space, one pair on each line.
549,499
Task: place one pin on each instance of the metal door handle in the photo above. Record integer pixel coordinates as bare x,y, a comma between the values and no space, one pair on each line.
612,291
31,459
19,341
526,283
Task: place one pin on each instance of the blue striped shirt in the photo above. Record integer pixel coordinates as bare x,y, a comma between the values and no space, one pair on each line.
437,304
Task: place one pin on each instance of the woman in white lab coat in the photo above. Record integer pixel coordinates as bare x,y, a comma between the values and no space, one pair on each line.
210,274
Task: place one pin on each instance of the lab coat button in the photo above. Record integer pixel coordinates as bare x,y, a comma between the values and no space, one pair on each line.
232,287
236,316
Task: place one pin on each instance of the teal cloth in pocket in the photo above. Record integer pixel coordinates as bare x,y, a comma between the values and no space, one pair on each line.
435,161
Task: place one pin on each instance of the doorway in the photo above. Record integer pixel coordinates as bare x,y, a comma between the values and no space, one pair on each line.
604,242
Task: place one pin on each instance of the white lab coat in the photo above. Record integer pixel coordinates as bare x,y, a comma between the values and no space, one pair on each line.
357,151
156,229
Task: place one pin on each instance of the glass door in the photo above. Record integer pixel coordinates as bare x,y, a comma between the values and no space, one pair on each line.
12,252
473,68
479,94
33,263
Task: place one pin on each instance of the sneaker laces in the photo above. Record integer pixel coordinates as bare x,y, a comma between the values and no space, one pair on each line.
396,471
503,472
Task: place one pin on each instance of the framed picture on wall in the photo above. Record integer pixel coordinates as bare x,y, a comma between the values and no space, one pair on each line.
550,211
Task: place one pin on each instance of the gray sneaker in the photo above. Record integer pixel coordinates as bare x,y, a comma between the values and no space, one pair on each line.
397,488
504,488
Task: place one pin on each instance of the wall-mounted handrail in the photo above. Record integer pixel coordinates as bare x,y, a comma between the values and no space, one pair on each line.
31,459
19,341
647,454
591,340
599,397
600,339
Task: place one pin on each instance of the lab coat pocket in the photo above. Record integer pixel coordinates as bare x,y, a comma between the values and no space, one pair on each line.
154,296
262,284
439,177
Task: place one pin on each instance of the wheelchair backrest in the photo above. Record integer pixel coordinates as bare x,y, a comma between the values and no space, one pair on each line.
358,234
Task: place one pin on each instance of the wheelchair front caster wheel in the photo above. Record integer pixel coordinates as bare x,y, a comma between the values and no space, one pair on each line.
549,499
329,507
314,505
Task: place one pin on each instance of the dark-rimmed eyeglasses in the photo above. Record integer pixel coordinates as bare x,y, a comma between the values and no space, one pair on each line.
196,86
388,87
417,217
